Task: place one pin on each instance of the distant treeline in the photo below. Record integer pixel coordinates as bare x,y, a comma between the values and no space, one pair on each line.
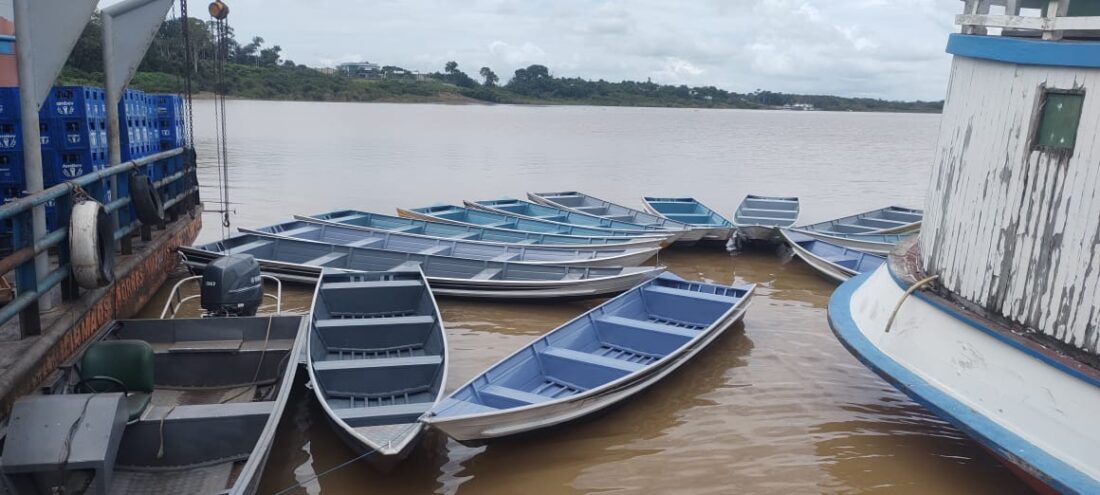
255,71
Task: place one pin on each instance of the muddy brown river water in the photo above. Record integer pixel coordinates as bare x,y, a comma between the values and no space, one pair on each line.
774,406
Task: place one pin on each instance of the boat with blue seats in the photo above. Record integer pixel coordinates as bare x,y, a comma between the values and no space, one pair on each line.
594,361
692,212
760,218
301,261
538,211
586,203
888,220
834,261
439,230
480,218
869,243
377,359
347,236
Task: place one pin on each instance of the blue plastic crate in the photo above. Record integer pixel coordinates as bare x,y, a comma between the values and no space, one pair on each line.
76,101
11,134
11,169
66,165
79,133
9,103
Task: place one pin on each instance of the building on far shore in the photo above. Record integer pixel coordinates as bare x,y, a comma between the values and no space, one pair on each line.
799,106
360,69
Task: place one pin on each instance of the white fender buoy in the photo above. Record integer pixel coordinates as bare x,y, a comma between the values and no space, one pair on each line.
91,245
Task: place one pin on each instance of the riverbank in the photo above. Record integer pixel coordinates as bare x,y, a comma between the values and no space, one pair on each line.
300,83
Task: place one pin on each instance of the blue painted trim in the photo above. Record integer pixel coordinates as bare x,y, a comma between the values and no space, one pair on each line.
7,47
1026,51
1004,443
966,318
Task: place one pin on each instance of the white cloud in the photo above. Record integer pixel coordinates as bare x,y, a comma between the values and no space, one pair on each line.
878,48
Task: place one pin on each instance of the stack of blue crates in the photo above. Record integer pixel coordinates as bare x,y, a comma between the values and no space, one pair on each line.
137,114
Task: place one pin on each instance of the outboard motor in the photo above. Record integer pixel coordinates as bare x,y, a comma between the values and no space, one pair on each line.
231,286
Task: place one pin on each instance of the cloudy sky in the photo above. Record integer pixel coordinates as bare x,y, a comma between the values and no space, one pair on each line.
878,48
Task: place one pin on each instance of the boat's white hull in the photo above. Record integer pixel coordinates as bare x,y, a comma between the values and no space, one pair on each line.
824,267
471,289
1023,404
483,428
882,248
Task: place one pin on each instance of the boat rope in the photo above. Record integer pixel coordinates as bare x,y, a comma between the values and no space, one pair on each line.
259,365
298,484
218,14
912,288
185,29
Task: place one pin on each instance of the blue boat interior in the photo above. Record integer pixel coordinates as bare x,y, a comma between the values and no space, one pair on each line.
606,209
626,335
316,254
761,210
377,349
687,210
851,259
891,217
347,236
502,221
550,213
450,231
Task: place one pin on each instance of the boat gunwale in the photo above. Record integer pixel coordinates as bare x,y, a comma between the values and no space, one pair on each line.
742,303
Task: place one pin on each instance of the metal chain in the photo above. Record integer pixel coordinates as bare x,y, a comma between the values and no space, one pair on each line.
188,63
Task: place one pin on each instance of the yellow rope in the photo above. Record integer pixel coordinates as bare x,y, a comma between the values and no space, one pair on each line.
912,288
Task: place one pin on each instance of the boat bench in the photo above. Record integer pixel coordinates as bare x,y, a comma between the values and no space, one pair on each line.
647,326
511,395
324,260
590,360
370,241
249,246
370,284
382,415
574,275
356,364
505,257
406,228
527,242
690,294
300,230
467,236
434,250
486,274
345,218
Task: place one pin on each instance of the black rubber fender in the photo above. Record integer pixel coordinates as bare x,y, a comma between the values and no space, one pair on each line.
91,245
146,199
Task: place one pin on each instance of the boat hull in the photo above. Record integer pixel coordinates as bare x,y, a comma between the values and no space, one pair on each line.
481,429
1024,404
461,288
882,248
758,233
709,234
829,270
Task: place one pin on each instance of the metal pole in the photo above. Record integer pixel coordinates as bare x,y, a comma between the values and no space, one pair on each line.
32,154
114,96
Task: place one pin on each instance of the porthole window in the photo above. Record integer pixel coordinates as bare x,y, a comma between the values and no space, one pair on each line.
1059,117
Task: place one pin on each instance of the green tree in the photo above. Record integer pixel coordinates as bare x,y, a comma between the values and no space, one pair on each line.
450,67
489,76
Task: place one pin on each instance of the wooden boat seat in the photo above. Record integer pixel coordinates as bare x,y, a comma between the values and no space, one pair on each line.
647,326
486,274
300,230
398,413
370,241
355,364
511,395
505,257
584,358
326,259
434,250
670,291
244,248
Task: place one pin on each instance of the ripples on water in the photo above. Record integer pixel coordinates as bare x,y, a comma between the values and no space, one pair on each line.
775,406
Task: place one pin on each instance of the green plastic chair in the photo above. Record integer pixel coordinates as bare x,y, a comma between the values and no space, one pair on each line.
119,366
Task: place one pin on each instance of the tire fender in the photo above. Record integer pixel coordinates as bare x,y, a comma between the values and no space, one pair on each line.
146,199
91,245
